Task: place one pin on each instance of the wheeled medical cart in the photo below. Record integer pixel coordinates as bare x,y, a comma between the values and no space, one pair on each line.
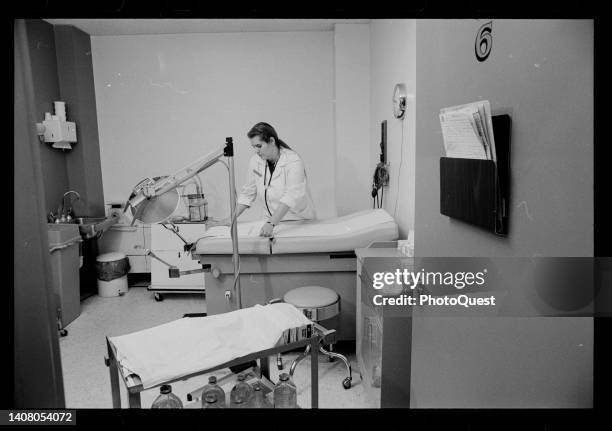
134,385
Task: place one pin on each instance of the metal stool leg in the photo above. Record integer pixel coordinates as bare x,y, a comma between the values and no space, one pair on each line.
279,356
331,357
298,359
346,383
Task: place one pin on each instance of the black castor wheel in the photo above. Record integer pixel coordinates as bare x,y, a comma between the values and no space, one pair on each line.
346,383
331,359
63,332
159,297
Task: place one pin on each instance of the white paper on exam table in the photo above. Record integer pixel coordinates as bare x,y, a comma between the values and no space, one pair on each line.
188,345
308,228
246,229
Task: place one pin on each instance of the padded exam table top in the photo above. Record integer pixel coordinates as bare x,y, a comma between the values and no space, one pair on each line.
336,234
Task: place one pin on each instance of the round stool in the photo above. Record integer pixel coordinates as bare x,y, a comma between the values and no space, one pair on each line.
317,303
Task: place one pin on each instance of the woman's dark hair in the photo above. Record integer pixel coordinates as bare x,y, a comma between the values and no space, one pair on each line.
265,132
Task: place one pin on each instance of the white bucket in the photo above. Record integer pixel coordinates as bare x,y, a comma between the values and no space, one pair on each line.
116,287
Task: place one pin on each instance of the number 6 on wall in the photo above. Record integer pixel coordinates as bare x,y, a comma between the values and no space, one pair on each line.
484,41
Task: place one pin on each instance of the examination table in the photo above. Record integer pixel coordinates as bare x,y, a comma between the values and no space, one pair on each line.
302,253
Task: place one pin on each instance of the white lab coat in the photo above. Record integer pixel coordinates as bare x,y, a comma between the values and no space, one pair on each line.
288,185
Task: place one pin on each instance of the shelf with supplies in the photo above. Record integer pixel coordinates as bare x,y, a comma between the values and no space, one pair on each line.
477,191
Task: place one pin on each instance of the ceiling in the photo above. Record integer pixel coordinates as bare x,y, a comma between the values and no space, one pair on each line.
116,27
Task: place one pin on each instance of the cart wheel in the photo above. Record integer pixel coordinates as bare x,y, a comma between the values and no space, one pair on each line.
346,383
331,358
159,297
63,332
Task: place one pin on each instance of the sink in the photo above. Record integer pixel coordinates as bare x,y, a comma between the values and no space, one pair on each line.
90,227
89,220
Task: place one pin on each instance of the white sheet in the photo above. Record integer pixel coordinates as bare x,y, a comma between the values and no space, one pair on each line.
193,344
309,228
336,234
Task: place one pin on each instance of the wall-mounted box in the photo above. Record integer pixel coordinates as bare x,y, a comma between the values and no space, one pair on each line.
478,191
59,132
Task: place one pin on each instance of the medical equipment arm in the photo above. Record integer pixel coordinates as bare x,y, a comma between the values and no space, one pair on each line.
150,188
174,271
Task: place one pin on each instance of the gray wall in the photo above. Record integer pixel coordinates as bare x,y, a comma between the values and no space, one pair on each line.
42,175
62,70
37,373
76,83
41,41
541,73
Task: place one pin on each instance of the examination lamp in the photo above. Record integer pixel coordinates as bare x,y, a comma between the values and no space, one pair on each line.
153,200
157,208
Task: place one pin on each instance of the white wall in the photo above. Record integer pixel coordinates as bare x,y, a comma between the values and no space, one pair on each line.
352,117
165,100
393,52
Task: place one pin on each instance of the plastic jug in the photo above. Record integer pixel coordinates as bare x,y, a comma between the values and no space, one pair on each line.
213,388
243,391
285,393
259,399
210,402
166,399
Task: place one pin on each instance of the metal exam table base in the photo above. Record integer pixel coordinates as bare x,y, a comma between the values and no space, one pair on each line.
134,386
306,253
266,277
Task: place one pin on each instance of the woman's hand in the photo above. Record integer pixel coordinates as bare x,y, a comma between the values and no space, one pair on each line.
266,230
223,222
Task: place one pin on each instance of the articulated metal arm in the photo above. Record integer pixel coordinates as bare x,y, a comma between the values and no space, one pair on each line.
174,271
149,188
173,228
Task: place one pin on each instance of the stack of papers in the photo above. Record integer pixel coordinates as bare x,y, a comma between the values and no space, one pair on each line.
468,131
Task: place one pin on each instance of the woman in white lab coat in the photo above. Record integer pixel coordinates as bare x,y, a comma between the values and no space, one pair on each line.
277,177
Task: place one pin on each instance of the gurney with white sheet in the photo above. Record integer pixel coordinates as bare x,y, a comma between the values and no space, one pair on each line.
192,346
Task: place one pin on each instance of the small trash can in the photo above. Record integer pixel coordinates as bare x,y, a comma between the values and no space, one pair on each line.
112,269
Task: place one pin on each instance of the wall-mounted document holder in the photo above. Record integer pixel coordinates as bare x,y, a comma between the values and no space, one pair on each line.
478,191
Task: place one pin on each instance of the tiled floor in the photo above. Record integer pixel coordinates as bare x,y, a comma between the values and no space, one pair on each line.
86,378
